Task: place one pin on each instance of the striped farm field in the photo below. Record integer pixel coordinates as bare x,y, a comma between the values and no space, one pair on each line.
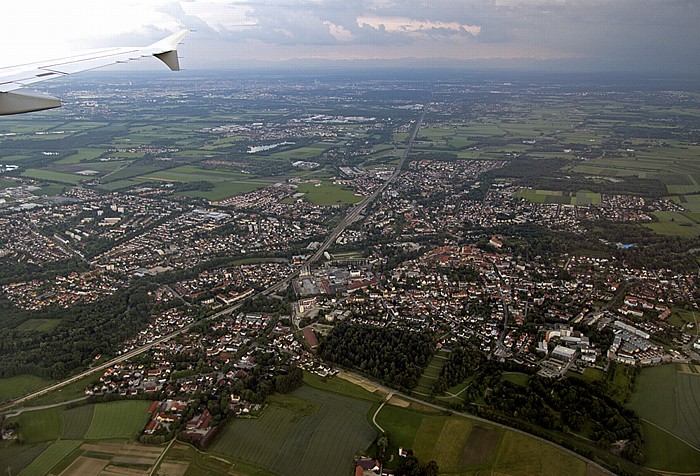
50,457
76,421
670,399
297,443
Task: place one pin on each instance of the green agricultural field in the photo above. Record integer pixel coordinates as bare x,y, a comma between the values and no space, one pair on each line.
223,190
51,190
40,325
518,454
302,153
665,452
14,457
460,446
50,457
4,183
340,386
76,421
120,185
82,154
326,193
13,387
39,425
129,172
189,173
122,419
674,224
680,317
51,176
402,423
198,463
69,392
295,443
670,399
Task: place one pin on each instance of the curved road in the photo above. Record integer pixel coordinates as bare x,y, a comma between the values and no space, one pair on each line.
395,393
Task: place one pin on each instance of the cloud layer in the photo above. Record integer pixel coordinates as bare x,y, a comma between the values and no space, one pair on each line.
578,34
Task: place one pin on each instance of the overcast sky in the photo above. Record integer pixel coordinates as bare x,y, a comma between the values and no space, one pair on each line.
598,35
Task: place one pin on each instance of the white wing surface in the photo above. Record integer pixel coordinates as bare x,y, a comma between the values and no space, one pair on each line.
14,99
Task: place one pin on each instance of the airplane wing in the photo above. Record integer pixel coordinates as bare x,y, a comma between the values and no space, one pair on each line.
15,100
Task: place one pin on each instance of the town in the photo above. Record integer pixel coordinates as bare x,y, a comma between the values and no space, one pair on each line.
443,231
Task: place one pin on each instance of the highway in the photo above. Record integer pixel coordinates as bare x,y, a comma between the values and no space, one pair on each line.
349,218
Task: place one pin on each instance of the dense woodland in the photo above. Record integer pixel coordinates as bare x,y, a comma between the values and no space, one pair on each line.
390,355
568,405
463,361
84,332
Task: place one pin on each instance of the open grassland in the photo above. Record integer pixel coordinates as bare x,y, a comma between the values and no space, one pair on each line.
303,153
326,193
70,392
517,378
184,460
121,419
674,224
14,457
129,172
341,386
119,185
671,400
50,457
582,197
39,425
189,173
297,443
83,154
461,446
521,455
223,190
665,452
76,421
431,373
40,325
4,183
51,176
13,387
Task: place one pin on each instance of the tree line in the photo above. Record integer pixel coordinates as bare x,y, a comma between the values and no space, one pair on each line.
391,355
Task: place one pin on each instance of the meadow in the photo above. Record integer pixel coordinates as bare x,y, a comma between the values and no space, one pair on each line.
669,400
326,193
13,387
431,373
51,176
462,446
286,440
39,325
122,419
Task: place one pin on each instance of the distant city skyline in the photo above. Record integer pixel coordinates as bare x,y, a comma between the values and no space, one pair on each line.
566,35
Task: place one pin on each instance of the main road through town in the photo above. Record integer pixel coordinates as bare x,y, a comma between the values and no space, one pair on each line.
349,218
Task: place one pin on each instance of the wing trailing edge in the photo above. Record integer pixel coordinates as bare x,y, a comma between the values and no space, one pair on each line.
15,78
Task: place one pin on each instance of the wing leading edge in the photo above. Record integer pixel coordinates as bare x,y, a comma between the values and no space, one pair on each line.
15,100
